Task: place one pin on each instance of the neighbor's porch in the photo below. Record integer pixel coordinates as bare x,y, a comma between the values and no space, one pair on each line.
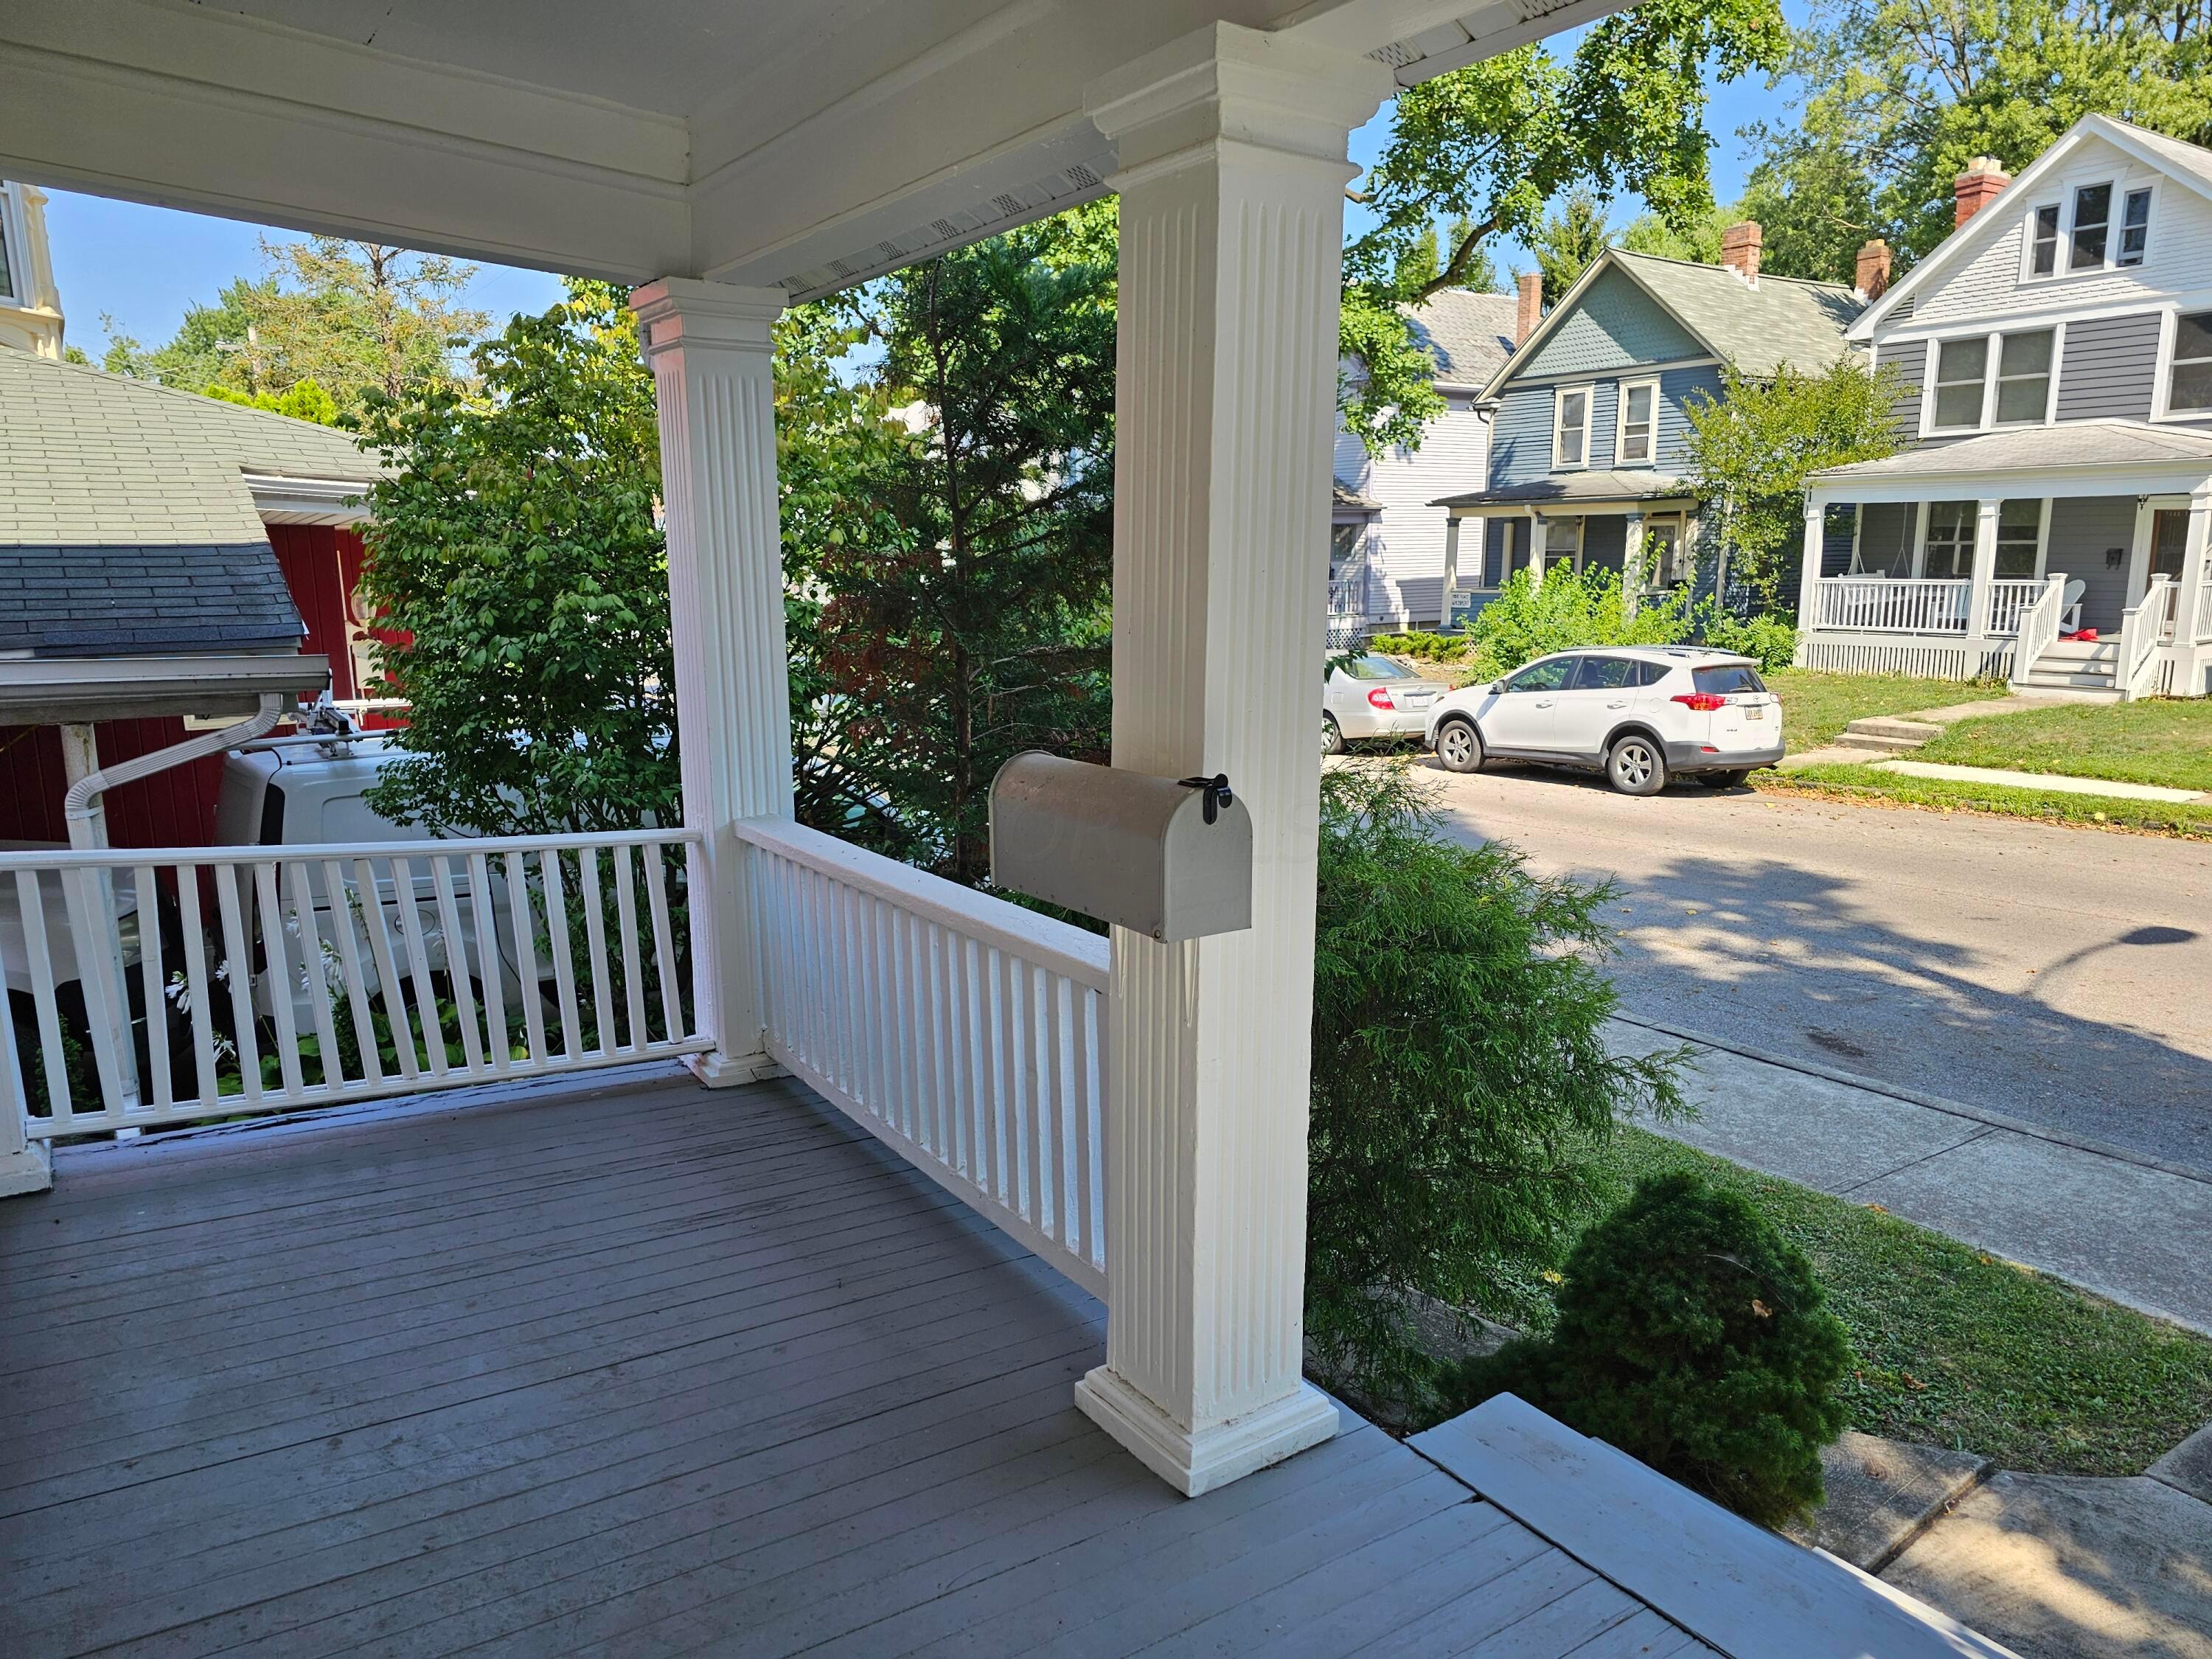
1642,530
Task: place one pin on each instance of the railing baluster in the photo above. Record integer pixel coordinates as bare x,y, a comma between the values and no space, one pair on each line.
633,968
201,1011
418,958
357,988
1088,1152
484,914
278,976
456,953
1051,1105
556,946
595,932
389,984
31,900
238,969
663,942
318,981
524,927
151,977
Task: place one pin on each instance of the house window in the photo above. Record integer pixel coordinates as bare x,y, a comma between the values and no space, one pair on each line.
2093,225
1949,549
2024,377
2020,538
7,280
2042,241
2135,229
1962,368
1639,422
2189,388
1570,446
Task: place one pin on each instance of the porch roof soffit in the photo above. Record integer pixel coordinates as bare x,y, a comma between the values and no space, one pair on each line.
798,144
2079,457
1574,493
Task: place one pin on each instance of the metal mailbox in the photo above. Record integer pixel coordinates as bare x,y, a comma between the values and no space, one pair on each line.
1168,859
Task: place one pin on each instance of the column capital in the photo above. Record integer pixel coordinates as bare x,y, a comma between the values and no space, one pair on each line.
1227,84
683,311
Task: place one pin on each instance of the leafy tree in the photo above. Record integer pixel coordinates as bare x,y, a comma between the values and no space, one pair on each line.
965,616
1698,240
304,400
1462,1088
1490,144
1748,455
1901,95
1530,619
1567,243
1694,1335
516,554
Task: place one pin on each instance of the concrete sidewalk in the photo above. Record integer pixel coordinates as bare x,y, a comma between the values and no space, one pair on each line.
2124,1226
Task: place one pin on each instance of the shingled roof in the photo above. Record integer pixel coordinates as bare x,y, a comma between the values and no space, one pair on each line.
127,525
1757,326
1469,334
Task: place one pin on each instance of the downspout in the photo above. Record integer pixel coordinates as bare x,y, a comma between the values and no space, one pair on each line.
81,807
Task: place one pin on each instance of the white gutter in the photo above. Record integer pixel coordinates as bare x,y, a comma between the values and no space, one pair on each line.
80,807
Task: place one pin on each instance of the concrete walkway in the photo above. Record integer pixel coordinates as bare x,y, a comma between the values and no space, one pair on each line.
2125,1225
2057,783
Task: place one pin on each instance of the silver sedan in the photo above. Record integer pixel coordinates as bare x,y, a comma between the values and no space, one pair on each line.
1371,696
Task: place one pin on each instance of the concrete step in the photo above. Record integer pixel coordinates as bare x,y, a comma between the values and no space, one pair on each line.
1873,742
2083,651
1891,725
2044,676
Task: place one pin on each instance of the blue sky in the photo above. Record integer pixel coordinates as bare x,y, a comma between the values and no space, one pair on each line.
143,266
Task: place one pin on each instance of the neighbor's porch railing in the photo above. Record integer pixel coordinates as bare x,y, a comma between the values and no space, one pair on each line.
966,1032
1883,605
2037,626
209,982
2008,597
2139,671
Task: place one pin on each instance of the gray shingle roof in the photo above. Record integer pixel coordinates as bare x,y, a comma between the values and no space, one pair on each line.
2068,446
135,601
91,460
1470,335
1343,497
2180,154
1564,489
1759,326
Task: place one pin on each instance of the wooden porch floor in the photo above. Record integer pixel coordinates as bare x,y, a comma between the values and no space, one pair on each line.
640,1369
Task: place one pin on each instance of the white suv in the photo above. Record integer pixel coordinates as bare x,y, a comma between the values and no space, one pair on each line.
1639,714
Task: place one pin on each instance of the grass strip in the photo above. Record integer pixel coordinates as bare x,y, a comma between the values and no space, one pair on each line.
2190,819
1816,707
2155,741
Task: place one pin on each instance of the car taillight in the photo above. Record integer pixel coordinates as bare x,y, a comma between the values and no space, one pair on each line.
1380,698
1703,702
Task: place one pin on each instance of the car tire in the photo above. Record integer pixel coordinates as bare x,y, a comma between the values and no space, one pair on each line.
1723,780
1459,746
1331,735
1635,765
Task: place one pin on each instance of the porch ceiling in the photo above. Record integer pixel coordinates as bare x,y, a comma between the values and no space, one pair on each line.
800,143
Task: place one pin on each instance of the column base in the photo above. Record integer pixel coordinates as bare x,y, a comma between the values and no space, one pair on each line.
31,1171
1194,1463
719,1071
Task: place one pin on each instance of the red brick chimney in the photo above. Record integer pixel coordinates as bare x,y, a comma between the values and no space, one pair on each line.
1978,187
1873,270
1739,249
1530,311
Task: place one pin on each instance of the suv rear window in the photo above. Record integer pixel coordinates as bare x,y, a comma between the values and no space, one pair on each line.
1726,678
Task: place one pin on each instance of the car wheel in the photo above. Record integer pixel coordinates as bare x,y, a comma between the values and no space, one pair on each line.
1459,746
1723,780
1634,765
1331,735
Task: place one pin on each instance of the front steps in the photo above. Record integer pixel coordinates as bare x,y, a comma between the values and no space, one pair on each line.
1886,735
2088,668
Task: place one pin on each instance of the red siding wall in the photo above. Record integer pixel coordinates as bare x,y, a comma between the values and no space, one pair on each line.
317,567
173,808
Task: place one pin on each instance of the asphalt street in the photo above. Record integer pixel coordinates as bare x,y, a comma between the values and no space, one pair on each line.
2056,975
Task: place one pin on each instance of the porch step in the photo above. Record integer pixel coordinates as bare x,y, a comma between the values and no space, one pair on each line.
2082,650
1883,734
2058,677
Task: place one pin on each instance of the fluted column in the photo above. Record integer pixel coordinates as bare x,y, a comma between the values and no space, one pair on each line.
1232,175
712,355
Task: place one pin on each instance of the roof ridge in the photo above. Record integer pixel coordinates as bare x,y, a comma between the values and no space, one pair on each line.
1700,264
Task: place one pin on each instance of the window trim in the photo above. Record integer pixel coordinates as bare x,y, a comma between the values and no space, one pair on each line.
2170,358
1620,424
1992,376
11,229
1588,392
2062,267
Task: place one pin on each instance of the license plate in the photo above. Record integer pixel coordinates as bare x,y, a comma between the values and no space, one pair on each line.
1754,714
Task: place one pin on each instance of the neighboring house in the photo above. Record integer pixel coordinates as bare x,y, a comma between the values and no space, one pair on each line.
1392,556
30,309
1590,416
2056,355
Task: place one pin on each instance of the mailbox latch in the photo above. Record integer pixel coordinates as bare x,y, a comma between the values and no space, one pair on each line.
1216,795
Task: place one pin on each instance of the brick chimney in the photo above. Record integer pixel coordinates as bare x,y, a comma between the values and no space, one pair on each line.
1873,270
1978,187
1739,249
1530,311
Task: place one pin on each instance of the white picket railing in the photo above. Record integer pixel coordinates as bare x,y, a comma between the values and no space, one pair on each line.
2204,604
965,1032
2037,625
208,981
2008,597
1881,604
2142,629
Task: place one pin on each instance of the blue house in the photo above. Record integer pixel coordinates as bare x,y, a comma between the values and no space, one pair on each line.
1588,416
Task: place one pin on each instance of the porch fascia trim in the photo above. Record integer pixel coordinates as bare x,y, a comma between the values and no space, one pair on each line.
2127,478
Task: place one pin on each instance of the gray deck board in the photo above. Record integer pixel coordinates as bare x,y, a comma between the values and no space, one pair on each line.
627,1367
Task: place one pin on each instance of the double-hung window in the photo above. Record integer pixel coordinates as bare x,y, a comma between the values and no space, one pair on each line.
1639,423
2042,241
1962,371
2135,229
2093,226
2188,387
1993,379
2020,538
2105,229
1571,428
2024,376
1947,550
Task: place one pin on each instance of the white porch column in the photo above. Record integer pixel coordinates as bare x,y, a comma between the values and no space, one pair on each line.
1452,522
1808,579
2196,544
711,355
1232,158
1632,564
1540,539
1984,572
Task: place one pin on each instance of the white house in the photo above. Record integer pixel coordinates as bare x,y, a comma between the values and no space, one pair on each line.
2056,360
1391,558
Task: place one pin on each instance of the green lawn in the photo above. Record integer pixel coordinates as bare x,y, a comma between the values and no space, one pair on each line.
2155,741
1849,780
1957,1348
1816,707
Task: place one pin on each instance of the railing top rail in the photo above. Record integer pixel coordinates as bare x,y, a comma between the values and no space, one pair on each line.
1057,946
107,857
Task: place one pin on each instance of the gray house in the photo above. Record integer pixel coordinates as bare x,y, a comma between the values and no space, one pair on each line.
1588,416
2049,520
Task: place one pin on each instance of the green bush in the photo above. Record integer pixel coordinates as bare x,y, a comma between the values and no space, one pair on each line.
1530,619
1426,648
1692,1335
1771,639
1463,1094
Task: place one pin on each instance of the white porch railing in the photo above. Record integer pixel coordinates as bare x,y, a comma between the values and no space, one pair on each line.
213,981
2008,597
965,1032
2143,628
2205,605
2037,624
1883,604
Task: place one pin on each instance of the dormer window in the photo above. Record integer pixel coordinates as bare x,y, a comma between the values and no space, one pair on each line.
1571,442
2103,228
2135,229
2093,224
2042,241
7,273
